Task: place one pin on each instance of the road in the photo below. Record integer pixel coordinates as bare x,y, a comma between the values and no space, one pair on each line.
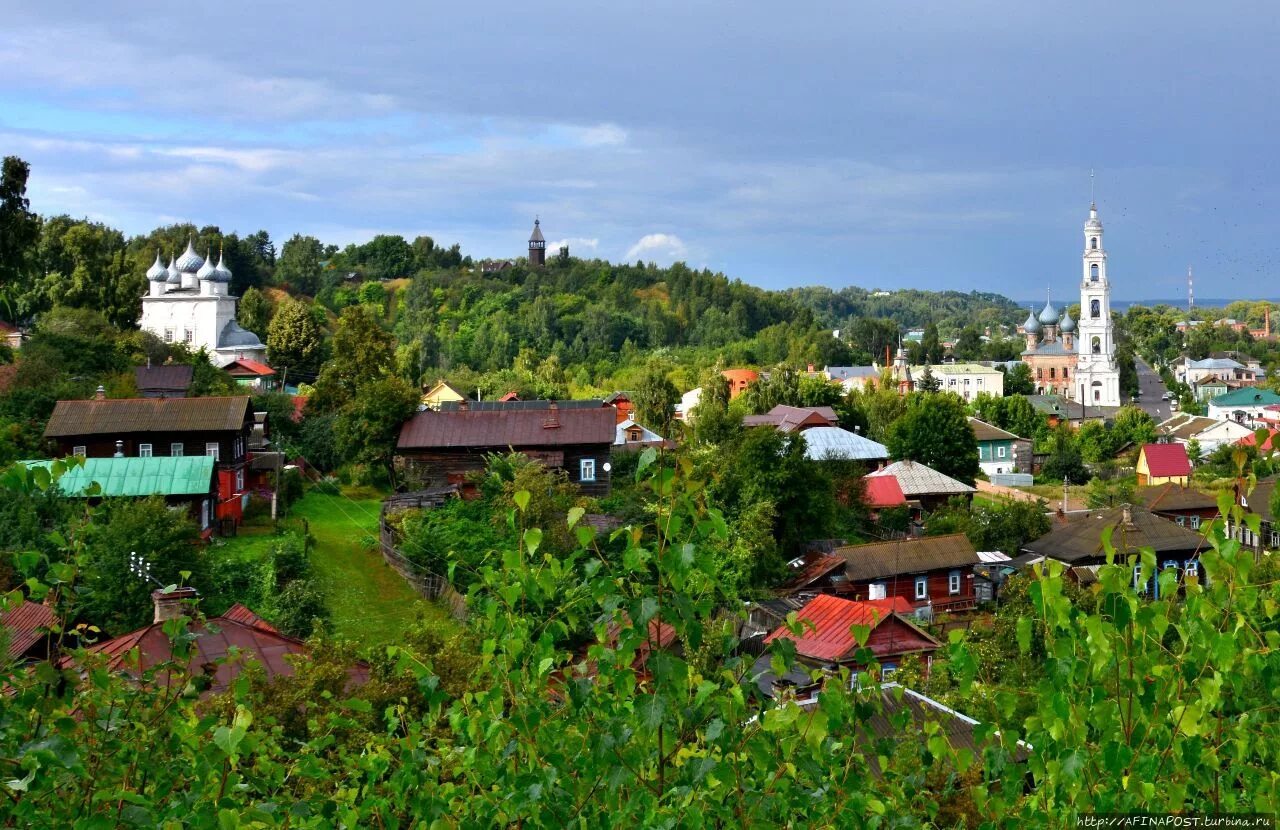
1151,389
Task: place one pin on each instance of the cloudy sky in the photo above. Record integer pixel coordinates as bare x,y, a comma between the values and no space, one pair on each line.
924,144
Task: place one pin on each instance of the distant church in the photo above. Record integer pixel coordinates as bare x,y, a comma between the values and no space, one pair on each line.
1078,360
537,253
188,302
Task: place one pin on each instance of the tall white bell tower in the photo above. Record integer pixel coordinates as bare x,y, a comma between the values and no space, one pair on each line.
1097,375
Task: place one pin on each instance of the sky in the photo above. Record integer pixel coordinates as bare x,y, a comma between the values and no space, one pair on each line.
886,145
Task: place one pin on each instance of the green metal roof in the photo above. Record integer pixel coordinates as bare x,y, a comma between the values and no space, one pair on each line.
187,475
1247,396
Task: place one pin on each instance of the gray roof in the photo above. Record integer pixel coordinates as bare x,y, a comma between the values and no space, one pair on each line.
1079,540
846,372
536,236
830,443
1052,347
907,556
916,479
1214,363
984,431
232,335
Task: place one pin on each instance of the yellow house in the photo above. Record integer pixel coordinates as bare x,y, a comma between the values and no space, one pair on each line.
1163,464
441,393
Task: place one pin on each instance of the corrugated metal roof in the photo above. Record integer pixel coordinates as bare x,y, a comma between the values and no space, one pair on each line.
187,475
990,432
832,617
916,479
130,415
1248,396
249,368
907,556
827,443
508,428
168,378
812,570
24,625
516,404
882,491
1080,539
1167,460
1173,496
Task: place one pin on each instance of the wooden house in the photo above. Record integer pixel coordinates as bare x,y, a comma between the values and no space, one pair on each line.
934,573
1163,464
1182,505
443,447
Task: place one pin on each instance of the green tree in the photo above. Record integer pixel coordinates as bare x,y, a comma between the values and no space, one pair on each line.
367,427
255,312
1018,380
299,264
655,399
293,338
928,381
1064,461
19,233
935,431
969,344
932,344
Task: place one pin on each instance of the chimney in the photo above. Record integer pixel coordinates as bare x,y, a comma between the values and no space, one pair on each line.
119,450
1126,513
552,421
811,368
463,406
170,605
101,393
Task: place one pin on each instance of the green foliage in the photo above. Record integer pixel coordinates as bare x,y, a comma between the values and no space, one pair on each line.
255,312
362,351
1065,460
1101,493
293,338
1014,414
299,265
299,608
1018,381
655,399
935,431
19,231
367,427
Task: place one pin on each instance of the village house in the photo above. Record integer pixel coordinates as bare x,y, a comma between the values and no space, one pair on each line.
998,449
837,444
1228,370
1179,503
882,493
1246,406
853,377
188,483
934,573
631,435
1077,543
157,427
827,642
440,448
251,374
1207,432
440,393
1259,501
221,648
25,628
925,486
171,380
968,380
1163,464
785,418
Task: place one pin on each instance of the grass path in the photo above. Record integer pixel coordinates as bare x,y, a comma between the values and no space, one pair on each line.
371,604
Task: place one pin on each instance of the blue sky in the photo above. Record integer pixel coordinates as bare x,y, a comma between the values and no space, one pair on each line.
929,145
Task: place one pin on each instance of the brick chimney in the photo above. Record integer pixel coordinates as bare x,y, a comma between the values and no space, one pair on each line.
100,394
173,604
552,421
1126,512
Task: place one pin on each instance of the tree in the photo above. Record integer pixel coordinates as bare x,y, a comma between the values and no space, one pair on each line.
1064,460
255,312
1018,381
293,338
362,351
1194,452
928,381
968,344
935,432
366,428
655,399
299,264
932,344
19,232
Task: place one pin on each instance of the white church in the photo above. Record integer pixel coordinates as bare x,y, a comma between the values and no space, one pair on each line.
188,302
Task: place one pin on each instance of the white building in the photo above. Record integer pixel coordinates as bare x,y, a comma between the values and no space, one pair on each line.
968,380
188,302
1097,375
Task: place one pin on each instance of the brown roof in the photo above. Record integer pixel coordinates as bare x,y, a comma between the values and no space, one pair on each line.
813,569
793,418
26,625
1079,541
239,628
508,428
907,556
1173,496
1260,499
1186,426
114,417
171,378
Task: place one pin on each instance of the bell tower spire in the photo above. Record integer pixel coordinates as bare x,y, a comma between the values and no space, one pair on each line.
537,245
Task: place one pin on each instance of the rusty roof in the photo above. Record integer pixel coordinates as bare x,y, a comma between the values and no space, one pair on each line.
907,556
130,415
1174,496
812,570
1079,541
830,638
26,624
174,377
551,427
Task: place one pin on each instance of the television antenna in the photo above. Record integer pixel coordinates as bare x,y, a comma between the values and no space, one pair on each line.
141,568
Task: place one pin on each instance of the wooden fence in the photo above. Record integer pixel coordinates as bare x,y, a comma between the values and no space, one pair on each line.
431,585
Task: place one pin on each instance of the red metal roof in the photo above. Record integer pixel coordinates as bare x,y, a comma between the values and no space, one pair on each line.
468,428
832,617
249,368
1251,440
883,491
242,614
1167,460
897,605
26,625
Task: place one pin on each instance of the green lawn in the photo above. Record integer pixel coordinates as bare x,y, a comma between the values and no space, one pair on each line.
369,602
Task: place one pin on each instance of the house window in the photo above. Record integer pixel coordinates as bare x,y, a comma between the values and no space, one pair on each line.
239,480
188,335
79,450
1192,568
204,514
1000,451
876,590
953,582
175,450
1065,372
1053,373
168,335
587,469
979,381
211,448
144,450
1182,521
1195,522
1039,373
951,382
922,587
1275,538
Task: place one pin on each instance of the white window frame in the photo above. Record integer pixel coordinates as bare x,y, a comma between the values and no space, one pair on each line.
922,587
876,590
214,449
587,469
176,449
1000,451
1191,568
188,336
80,449
953,583
204,514
1182,521
168,335
239,481
144,451
1275,538
1195,522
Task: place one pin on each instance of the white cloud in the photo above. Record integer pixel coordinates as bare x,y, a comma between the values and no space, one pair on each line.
656,246
602,135
575,244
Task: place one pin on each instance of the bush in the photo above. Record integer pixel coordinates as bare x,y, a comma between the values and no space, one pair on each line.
290,560
300,609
